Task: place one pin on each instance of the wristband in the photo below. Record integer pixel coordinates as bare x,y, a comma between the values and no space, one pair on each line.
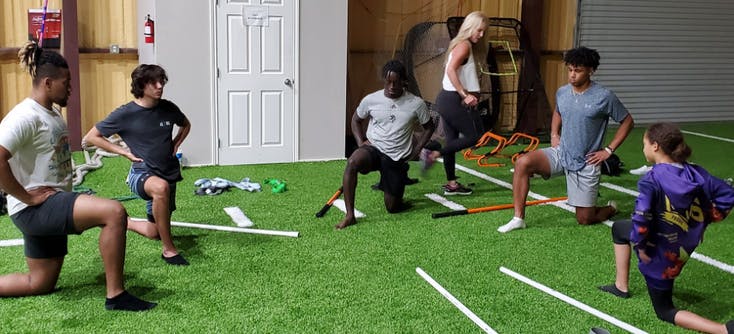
609,150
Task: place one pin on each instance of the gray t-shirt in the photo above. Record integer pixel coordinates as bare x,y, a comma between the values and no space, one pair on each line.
392,121
148,133
584,120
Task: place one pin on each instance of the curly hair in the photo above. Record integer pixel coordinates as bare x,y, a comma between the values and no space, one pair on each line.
582,56
145,74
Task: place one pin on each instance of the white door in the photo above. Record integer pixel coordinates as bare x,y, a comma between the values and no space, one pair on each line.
256,115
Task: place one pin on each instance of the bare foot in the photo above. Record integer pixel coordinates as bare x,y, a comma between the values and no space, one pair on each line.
346,222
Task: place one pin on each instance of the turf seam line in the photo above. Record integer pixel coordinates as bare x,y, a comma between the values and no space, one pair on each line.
445,202
479,322
695,255
707,136
573,302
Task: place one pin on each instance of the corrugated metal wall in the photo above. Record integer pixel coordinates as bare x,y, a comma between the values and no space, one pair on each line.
666,60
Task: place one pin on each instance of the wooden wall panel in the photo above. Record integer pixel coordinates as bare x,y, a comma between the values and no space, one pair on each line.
553,71
104,84
559,23
14,22
377,30
104,78
102,23
14,85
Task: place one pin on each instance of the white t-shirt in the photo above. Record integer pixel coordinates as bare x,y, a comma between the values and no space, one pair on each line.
392,121
38,139
467,74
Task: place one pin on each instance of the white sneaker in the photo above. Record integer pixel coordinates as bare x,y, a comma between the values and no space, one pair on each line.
514,224
641,171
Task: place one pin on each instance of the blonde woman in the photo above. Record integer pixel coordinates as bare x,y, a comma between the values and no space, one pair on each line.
458,99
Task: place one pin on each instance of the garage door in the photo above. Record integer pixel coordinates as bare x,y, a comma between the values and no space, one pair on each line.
666,60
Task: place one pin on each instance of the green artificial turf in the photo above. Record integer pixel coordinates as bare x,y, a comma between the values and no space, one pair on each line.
363,279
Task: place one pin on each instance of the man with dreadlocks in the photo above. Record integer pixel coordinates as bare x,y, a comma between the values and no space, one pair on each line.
392,113
583,110
36,172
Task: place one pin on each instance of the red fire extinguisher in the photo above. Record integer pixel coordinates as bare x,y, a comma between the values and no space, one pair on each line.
149,31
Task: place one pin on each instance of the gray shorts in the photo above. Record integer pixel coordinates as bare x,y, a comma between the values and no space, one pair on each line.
582,185
45,227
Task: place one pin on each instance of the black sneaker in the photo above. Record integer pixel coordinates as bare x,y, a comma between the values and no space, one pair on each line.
611,288
458,189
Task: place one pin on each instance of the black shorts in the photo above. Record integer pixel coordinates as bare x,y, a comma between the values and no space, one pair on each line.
393,174
45,227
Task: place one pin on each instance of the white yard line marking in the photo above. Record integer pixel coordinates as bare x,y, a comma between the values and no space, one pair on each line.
707,136
573,302
711,261
620,189
483,325
11,242
443,201
339,204
695,255
291,234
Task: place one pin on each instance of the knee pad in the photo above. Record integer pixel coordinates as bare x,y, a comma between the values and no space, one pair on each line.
621,232
666,314
662,302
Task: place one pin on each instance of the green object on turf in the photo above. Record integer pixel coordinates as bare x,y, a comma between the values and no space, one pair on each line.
278,186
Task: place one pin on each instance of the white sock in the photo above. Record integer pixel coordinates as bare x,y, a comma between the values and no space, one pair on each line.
513,224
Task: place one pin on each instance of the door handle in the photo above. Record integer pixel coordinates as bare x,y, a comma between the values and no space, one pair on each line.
288,82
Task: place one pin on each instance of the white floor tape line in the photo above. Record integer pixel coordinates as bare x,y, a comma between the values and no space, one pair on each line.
483,325
238,217
707,136
291,234
696,255
339,204
443,201
573,302
11,242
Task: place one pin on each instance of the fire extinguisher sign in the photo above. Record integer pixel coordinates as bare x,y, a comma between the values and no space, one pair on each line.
149,30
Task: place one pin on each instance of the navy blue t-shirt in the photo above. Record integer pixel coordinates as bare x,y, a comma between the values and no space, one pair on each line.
148,134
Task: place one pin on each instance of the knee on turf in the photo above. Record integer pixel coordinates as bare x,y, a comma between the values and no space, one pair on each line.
666,314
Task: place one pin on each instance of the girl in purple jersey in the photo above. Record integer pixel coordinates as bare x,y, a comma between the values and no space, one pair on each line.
677,202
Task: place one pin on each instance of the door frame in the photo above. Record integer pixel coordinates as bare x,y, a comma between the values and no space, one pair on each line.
214,93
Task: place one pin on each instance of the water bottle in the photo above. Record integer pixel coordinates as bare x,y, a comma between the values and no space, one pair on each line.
179,156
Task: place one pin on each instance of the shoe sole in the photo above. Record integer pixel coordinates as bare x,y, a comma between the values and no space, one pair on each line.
454,193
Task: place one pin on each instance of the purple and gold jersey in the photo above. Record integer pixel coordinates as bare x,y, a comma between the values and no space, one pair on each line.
676,204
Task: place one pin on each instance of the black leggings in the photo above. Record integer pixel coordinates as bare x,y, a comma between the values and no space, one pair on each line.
457,119
662,300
